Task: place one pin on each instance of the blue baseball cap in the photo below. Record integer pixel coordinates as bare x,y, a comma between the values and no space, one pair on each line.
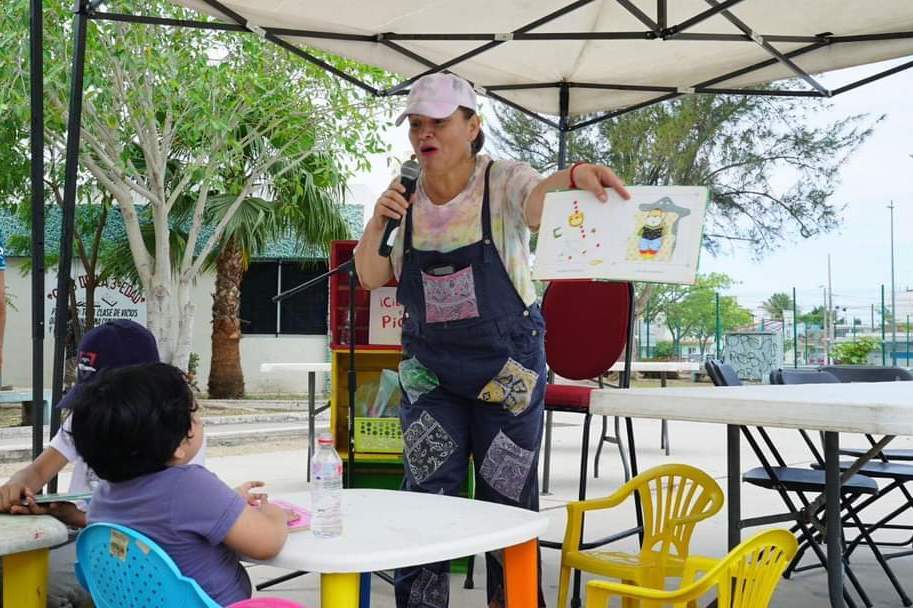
111,344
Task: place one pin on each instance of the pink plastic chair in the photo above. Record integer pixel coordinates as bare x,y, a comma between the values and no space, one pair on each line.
266,602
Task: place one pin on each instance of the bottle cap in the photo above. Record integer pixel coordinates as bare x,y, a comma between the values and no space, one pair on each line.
325,439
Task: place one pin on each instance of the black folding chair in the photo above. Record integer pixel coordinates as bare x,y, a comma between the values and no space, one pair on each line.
872,373
897,474
775,474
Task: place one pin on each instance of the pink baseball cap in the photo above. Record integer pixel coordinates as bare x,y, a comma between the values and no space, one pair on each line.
438,95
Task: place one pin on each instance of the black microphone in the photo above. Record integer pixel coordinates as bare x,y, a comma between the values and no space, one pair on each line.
408,177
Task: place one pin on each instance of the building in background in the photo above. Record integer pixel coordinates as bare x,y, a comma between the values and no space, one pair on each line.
295,330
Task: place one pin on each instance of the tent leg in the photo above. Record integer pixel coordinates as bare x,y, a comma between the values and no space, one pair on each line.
74,124
36,66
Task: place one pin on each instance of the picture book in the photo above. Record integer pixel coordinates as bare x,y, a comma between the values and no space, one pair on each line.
653,237
303,521
75,498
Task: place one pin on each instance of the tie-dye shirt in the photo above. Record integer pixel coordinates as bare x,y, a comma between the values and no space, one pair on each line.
458,222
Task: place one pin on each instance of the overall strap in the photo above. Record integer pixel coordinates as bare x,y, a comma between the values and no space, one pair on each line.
486,216
486,207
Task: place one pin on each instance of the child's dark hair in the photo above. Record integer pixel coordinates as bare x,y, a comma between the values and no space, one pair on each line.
128,421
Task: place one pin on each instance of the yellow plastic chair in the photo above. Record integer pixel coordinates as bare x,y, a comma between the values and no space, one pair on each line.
673,498
746,578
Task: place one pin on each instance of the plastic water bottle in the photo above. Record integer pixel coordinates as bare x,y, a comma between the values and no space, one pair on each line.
326,489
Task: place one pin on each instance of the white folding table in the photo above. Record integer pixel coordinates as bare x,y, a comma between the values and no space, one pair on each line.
881,408
311,369
386,529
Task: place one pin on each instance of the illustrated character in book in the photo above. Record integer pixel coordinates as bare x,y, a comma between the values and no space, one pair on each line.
651,234
656,234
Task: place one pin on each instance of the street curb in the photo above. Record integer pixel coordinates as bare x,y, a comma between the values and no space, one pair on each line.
22,432
213,439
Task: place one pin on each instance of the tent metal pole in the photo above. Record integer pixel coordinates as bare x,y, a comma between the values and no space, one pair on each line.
761,64
563,104
639,15
770,49
522,30
662,15
36,82
609,115
873,78
166,22
74,124
688,23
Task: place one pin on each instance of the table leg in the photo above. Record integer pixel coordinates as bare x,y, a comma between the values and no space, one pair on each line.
521,575
832,518
339,590
547,456
664,432
25,579
734,484
311,420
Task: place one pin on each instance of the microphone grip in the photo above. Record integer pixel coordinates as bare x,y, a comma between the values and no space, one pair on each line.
390,230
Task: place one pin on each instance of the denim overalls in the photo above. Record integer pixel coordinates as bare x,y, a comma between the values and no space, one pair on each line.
473,379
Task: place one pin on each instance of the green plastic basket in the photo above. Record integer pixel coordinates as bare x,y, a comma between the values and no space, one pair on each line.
380,435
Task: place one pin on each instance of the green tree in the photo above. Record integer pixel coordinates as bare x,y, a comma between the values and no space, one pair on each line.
703,308
776,304
856,352
815,317
166,111
297,209
683,307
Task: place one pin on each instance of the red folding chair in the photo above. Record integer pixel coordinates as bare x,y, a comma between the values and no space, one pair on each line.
588,324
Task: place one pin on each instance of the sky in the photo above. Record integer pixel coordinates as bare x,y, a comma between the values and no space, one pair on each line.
880,171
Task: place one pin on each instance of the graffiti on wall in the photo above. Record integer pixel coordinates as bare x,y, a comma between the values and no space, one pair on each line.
753,355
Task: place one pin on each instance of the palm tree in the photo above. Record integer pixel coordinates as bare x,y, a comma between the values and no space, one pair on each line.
303,210
776,304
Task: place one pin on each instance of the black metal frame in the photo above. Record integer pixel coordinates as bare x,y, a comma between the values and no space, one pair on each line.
84,10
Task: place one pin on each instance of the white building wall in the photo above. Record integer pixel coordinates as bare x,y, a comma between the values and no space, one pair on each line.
17,353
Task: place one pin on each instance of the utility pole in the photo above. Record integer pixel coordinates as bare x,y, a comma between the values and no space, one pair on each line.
893,301
830,307
825,317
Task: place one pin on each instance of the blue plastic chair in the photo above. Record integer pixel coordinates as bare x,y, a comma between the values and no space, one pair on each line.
122,568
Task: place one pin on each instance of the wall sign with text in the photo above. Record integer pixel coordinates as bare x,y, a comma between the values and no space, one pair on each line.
386,324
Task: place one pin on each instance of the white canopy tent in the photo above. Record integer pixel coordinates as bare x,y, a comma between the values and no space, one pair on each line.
608,55
548,58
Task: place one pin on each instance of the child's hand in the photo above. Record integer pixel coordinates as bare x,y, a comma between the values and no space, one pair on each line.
66,512
244,490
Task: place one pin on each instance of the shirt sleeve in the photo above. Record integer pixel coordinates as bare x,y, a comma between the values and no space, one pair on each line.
63,441
519,180
2,254
203,504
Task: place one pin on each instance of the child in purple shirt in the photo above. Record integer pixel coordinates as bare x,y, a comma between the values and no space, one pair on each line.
137,428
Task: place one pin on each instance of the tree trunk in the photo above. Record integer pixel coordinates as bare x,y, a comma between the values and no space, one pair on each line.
226,381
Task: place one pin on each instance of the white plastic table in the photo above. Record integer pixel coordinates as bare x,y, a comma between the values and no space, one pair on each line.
386,529
25,541
311,369
878,408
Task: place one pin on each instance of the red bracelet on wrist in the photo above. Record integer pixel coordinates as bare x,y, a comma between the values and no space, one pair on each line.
573,184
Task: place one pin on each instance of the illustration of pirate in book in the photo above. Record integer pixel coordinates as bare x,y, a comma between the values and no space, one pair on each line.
656,230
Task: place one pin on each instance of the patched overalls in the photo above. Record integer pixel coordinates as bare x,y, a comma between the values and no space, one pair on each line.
473,379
